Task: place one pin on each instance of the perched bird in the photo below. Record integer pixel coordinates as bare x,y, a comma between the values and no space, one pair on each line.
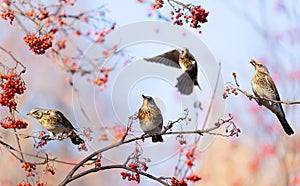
180,59
150,118
55,122
263,86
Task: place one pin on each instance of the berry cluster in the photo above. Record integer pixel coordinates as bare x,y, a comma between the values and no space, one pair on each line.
42,142
11,84
158,4
29,168
190,158
136,167
176,182
235,131
232,128
194,15
193,177
131,176
14,124
229,90
51,171
98,161
44,14
101,81
38,44
8,14
103,33
197,15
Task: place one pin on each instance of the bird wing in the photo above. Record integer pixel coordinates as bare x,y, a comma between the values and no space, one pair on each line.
272,85
170,58
63,120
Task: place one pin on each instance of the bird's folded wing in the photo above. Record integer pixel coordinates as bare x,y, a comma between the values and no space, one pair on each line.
272,85
63,120
170,58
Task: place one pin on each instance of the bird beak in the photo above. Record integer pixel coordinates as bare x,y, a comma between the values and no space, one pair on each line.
143,96
253,62
28,114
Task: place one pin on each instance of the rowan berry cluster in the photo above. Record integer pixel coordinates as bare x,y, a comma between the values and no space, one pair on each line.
10,84
137,164
38,45
190,158
13,124
8,14
176,182
101,81
194,15
229,90
158,4
98,161
29,168
235,131
131,176
51,171
232,128
183,182
42,142
193,177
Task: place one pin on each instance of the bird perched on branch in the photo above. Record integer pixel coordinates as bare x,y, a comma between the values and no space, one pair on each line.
150,118
180,59
55,122
263,86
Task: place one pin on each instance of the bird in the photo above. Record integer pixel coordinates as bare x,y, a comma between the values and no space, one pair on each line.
264,88
150,119
55,122
180,58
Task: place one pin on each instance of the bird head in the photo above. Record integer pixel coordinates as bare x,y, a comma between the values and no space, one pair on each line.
148,101
259,66
184,52
36,113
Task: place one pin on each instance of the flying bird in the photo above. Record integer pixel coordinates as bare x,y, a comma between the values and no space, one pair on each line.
55,122
180,58
150,118
263,86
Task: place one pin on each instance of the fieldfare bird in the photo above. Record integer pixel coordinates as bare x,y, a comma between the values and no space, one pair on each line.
150,118
55,122
180,59
264,88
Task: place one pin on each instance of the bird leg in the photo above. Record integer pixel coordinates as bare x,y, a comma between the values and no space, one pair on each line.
46,137
143,136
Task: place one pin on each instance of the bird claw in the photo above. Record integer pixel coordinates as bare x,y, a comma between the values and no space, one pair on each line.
143,137
60,137
46,137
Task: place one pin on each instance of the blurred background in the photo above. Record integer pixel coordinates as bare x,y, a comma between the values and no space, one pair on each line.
236,31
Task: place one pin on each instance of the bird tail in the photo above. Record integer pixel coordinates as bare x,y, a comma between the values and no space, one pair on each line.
287,128
76,140
157,138
185,84
196,83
